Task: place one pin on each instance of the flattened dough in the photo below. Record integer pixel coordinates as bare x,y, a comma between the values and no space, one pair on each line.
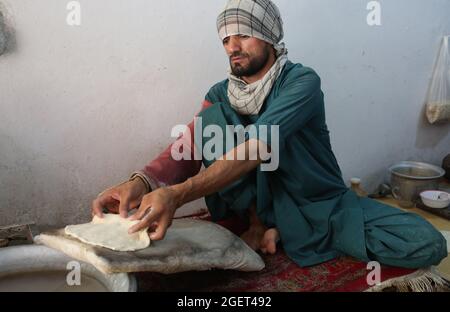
110,232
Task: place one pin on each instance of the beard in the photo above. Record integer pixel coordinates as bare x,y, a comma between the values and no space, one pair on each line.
255,64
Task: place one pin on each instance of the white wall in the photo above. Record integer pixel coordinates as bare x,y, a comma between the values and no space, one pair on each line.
82,107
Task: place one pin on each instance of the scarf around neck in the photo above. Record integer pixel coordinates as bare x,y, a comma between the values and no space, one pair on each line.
248,99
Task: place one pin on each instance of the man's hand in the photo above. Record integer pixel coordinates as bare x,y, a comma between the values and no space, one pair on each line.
120,199
156,212
158,208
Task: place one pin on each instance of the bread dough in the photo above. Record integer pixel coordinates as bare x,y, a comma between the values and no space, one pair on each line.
110,232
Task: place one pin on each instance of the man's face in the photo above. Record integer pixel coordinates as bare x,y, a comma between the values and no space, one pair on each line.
248,55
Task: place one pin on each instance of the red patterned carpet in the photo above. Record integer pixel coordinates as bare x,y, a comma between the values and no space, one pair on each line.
280,275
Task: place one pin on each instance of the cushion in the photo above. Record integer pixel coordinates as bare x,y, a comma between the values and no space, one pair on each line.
189,245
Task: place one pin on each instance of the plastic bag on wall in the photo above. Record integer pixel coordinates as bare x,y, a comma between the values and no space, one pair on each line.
438,99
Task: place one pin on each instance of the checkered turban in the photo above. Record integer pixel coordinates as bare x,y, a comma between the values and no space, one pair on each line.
255,18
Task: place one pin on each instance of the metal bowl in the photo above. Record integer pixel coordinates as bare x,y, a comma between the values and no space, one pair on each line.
410,178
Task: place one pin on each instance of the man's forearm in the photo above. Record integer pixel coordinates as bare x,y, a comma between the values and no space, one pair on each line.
220,174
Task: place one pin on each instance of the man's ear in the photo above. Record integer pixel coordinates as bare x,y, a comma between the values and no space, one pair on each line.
272,49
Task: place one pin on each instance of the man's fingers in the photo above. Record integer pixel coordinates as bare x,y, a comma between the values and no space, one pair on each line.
137,227
139,215
124,207
152,227
159,232
97,208
145,222
111,207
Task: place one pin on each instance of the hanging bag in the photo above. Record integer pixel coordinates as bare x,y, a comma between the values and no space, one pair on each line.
438,99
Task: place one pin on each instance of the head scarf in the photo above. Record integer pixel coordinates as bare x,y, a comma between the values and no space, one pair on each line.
259,19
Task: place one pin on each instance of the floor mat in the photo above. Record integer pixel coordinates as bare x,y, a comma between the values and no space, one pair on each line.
280,274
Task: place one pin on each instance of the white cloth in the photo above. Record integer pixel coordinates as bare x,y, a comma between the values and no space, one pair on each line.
248,99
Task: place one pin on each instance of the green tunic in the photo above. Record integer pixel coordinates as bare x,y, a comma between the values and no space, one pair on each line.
317,215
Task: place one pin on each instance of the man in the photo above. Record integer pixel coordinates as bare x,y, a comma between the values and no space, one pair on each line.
304,202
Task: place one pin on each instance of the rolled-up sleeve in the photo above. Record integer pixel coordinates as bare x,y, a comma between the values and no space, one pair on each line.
164,170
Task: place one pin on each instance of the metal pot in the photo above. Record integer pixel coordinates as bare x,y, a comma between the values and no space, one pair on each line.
410,178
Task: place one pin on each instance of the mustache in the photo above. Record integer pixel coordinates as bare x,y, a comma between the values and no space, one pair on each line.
237,55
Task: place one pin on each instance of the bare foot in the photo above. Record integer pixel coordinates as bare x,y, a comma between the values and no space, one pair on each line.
254,236
269,241
258,236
